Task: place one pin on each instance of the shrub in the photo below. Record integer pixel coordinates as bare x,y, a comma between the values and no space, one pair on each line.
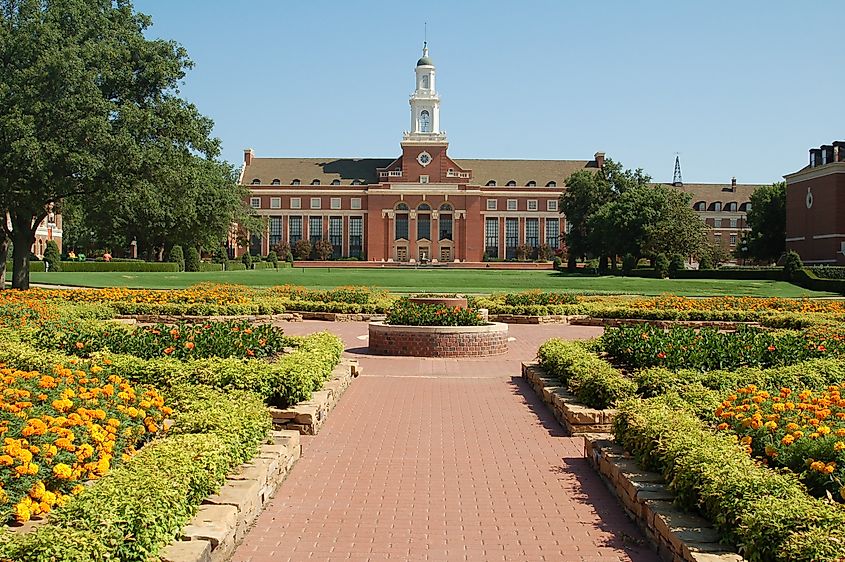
755,508
192,259
302,249
593,381
246,259
176,256
52,256
523,252
273,258
556,263
676,264
539,297
705,261
545,252
661,266
406,313
219,255
323,249
629,263
792,264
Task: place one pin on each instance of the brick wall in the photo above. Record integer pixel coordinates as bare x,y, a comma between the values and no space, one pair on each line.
433,342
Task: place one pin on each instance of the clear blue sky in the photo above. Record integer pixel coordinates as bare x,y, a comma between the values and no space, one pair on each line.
737,88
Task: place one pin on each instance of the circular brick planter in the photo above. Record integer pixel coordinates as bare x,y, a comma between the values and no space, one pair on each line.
451,302
439,341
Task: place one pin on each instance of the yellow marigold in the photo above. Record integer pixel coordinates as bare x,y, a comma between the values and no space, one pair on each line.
38,490
62,471
771,425
746,440
787,440
22,511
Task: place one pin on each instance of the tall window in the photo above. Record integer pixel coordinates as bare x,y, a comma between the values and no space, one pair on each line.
511,237
315,229
424,222
402,221
425,121
424,82
491,237
356,237
294,229
445,221
553,233
254,245
532,232
275,231
336,235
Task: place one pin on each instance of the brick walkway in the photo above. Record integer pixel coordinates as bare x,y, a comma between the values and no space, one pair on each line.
438,459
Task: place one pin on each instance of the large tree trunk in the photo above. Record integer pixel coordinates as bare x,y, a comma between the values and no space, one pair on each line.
23,237
4,256
572,263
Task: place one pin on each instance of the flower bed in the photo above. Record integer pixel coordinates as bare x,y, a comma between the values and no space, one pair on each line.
408,313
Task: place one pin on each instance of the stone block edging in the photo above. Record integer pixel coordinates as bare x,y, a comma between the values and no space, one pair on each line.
307,417
338,316
221,522
678,536
438,341
574,416
190,319
616,322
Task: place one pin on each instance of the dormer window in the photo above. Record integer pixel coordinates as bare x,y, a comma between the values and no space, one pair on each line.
551,184
295,182
532,183
315,182
491,183
356,182
276,181
511,183
731,206
256,181
335,182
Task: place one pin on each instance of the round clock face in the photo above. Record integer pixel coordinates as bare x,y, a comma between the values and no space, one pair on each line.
424,158
809,200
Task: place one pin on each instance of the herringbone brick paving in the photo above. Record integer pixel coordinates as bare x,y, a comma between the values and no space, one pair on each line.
442,459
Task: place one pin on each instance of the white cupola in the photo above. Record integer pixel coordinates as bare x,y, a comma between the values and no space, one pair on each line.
425,104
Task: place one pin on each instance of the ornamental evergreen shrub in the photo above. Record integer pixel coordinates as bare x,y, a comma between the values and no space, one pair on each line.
676,264
177,256
52,256
792,264
705,261
192,259
246,259
629,262
661,266
219,255
273,257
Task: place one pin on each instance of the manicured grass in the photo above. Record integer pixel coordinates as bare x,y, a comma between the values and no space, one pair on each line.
435,280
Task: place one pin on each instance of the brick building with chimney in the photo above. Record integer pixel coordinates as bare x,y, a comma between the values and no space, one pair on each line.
426,206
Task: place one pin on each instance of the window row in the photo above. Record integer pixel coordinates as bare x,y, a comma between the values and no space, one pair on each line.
717,206
444,222
513,205
512,183
277,181
296,233
314,203
531,237
721,223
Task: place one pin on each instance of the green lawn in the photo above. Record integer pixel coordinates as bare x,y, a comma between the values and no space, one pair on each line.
435,280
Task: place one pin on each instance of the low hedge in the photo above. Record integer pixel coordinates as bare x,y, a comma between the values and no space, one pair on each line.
767,514
827,271
807,279
140,507
593,381
262,306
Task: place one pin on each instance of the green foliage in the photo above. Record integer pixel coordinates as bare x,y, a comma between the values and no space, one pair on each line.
758,509
323,249
192,259
302,249
273,258
176,256
629,262
219,255
676,264
767,220
661,266
593,381
49,543
246,259
557,264
52,256
539,298
792,264
407,313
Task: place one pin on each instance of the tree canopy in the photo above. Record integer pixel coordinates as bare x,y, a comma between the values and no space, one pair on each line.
767,220
90,111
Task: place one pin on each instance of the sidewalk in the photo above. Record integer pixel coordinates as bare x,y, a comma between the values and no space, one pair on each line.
437,459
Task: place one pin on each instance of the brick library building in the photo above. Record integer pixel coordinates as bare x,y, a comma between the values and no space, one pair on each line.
425,206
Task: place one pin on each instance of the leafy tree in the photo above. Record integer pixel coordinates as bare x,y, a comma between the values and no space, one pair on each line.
676,264
661,265
302,249
629,263
767,219
192,259
52,256
586,192
90,112
323,249
792,264
711,254
177,256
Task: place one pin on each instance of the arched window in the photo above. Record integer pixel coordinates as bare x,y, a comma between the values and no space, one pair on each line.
532,183
731,206
511,183
335,182
446,208
551,184
276,181
295,182
444,222
423,207
400,222
256,181
401,206
745,207
424,83
491,183
423,221
425,121
700,206
356,182
717,206
315,182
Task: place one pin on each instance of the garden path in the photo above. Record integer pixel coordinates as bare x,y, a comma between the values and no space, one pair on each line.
443,459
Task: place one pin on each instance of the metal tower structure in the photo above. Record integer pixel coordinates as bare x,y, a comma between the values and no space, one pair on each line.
677,181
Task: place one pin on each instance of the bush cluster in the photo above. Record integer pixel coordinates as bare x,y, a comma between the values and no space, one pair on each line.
407,313
767,514
593,381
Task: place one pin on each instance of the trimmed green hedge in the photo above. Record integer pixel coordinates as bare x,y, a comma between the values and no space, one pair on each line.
593,381
809,280
767,514
133,266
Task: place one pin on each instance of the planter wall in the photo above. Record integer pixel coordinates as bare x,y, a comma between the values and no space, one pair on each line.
438,341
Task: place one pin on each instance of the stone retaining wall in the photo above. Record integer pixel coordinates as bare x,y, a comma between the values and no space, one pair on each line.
224,518
573,416
616,322
307,417
679,536
177,318
338,316
438,341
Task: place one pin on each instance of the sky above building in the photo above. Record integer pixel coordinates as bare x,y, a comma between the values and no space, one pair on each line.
736,88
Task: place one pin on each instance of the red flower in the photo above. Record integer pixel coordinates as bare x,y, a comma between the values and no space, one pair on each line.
661,355
822,348
771,348
169,350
